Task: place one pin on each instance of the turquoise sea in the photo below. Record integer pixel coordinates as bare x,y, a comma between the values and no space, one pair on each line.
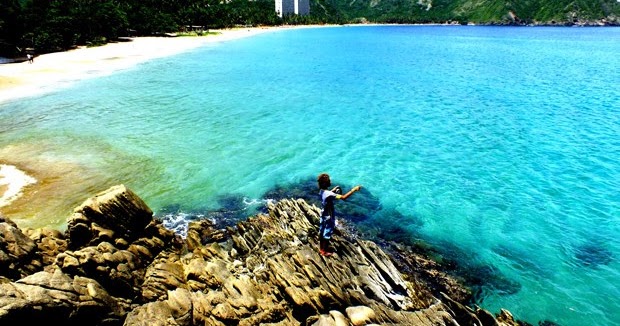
500,142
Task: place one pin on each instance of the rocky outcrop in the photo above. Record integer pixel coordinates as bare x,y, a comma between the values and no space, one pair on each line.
117,265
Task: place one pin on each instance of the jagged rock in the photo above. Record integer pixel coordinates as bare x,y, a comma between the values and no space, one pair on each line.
427,272
49,242
165,273
118,254
58,298
114,213
202,232
18,255
117,265
461,313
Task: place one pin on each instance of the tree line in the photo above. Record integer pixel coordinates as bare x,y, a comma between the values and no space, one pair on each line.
57,25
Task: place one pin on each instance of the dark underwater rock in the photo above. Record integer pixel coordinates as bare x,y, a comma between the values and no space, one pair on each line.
481,278
593,255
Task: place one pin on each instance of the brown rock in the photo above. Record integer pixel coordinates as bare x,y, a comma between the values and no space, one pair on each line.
18,253
116,212
116,265
360,315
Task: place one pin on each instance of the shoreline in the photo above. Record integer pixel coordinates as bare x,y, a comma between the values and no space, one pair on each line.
56,70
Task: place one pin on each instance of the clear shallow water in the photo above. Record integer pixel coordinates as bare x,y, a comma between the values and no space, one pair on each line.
500,141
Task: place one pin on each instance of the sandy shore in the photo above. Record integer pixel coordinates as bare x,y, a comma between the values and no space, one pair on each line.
55,70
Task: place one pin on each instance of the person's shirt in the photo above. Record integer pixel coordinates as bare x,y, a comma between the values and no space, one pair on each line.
327,202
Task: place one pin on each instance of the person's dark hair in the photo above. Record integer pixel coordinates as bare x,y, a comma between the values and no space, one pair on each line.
324,181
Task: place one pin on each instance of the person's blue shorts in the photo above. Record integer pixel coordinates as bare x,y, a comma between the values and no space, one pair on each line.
327,226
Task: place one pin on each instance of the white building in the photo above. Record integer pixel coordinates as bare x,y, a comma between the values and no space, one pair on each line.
289,7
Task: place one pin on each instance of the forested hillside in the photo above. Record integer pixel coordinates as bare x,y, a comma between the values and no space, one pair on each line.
56,25
521,12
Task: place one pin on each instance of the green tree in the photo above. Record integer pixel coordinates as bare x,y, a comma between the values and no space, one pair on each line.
11,27
49,25
148,17
97,21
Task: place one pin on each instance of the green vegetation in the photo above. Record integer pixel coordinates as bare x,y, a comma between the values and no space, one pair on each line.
56,25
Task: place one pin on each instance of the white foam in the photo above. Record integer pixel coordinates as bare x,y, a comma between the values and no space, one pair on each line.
178,222
254,202
15,180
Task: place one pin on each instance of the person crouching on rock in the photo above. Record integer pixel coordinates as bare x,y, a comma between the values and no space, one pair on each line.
328,213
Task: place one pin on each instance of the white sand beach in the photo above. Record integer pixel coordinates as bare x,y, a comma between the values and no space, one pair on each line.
55,70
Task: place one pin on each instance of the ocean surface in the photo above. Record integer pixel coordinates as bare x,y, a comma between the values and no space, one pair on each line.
502,143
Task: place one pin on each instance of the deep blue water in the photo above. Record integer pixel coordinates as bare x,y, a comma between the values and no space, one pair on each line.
499,142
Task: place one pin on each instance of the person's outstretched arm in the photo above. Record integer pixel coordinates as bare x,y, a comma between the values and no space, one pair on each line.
348,194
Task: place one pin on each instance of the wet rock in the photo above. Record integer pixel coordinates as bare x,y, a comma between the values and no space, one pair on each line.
47,298
263,270
18,253
114,213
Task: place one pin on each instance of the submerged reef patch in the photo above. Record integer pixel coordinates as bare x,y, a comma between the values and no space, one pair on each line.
525,263
481,278
593,255
547,323
390,225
